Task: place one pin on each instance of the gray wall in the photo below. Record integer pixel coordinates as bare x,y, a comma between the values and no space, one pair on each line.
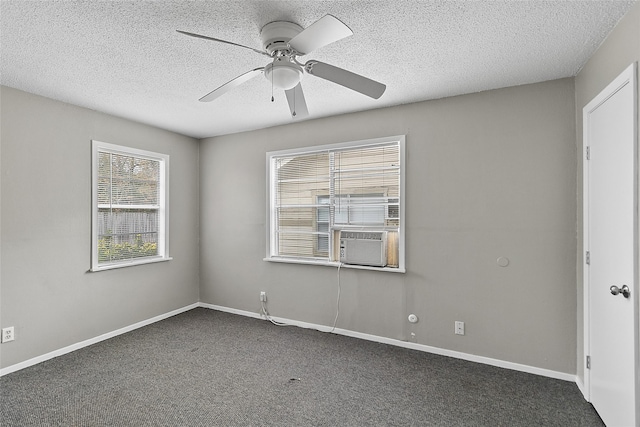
488,175
620,50
46,291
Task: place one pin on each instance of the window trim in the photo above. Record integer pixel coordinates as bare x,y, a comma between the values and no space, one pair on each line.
163,209
270,199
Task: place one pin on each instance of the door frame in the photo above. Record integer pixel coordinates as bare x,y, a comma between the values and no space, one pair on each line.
628,76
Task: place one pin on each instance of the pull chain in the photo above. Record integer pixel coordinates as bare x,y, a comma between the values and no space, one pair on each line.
294,102
271,85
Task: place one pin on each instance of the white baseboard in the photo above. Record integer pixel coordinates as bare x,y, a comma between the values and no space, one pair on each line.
581,387
421,347
231,310
322,328
85,343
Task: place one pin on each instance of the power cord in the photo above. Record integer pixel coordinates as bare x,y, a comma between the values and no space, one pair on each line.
266,314
335,321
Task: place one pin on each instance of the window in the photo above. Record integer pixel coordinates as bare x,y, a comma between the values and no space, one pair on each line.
129,204
317,192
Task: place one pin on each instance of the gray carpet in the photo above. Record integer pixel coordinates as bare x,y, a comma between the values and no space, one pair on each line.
208,368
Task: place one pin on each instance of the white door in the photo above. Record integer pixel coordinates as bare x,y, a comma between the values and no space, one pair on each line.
611,292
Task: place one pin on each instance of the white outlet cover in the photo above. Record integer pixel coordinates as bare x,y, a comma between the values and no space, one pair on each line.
8,334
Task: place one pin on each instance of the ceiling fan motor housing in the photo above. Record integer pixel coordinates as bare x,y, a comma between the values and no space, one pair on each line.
275,36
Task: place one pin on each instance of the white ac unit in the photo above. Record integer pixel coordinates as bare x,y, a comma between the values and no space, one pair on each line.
363,248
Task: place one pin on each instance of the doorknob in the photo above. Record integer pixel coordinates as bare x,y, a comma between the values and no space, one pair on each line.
624,290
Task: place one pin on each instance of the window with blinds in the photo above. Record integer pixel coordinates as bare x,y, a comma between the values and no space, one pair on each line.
316,193
129,206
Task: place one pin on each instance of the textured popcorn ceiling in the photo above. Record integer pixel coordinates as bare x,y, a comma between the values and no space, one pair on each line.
126,59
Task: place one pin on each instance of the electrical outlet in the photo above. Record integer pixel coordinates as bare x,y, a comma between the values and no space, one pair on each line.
459,328
8,334
263,296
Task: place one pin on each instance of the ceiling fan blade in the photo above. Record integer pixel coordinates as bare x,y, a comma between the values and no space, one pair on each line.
199,36
297,103
231,84
324,31
346,78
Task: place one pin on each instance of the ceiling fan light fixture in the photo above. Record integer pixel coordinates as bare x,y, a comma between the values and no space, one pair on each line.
284,74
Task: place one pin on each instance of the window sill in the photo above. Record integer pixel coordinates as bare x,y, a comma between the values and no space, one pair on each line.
130,263
333,264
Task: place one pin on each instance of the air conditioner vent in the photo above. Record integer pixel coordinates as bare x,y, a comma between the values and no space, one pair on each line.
363,248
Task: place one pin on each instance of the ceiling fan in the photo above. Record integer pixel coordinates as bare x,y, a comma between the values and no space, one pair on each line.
284,42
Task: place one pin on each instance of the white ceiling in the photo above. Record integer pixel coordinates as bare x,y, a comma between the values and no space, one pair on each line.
125,58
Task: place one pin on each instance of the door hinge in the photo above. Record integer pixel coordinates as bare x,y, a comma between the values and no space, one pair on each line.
587,258
588,153
588,362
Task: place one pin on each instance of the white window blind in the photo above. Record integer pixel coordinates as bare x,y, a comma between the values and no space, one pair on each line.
299,180
317,192
129,224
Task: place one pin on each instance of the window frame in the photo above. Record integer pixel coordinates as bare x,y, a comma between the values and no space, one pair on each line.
271,218
98,147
